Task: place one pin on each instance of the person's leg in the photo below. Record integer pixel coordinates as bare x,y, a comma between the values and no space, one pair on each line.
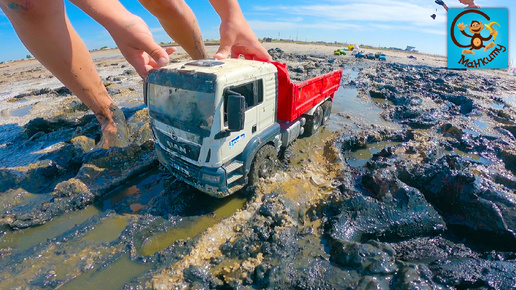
180,23
44,28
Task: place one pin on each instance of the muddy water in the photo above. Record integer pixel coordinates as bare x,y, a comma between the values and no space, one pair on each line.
359,157
21,112
354,112
23,240
87,235
119,273
191,227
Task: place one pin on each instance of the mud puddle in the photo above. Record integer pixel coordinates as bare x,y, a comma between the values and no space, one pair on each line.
23,240
21,112
96,235
472,157
118,274
351,111
190,227
359,157
312,168
135,194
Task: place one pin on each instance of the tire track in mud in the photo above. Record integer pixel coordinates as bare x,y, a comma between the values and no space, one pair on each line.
308,179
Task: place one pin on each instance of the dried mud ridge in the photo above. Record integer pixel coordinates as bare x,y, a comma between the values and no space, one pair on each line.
432,208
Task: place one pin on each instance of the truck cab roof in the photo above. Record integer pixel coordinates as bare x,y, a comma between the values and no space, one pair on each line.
225,67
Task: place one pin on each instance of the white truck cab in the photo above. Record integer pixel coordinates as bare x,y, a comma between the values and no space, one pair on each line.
188,106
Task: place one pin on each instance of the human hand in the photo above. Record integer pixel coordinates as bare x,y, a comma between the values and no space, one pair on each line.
237,38
135,41
462,26
494,32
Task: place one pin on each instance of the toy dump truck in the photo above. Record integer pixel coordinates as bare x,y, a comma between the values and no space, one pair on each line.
219,125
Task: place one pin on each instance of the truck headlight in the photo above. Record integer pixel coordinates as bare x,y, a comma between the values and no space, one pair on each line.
211,178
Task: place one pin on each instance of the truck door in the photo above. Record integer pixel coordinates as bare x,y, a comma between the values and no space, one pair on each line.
253,94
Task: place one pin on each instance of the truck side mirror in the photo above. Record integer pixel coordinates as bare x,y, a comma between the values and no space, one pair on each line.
236,112
145,88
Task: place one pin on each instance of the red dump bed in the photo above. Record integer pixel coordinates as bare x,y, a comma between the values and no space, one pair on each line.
295,99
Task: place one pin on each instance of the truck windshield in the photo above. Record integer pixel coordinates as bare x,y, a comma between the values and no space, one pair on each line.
188,110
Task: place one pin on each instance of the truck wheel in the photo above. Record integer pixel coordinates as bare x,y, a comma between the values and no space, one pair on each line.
326,111
314,122
264,164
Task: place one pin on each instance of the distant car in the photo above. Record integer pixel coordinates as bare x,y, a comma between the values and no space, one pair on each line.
370,56
382,57
359,55
339,52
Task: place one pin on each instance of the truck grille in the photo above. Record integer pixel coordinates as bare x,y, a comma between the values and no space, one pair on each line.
189,150
181,168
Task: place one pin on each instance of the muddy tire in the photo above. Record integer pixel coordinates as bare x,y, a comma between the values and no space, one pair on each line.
314,122
264,165
326,111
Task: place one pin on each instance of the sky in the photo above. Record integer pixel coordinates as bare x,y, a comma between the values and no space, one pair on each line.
379,23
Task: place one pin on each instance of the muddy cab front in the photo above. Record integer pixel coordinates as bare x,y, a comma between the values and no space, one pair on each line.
188,109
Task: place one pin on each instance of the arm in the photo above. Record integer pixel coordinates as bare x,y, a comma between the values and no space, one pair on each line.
130,33
236,37
45,30
180,23
465,34
487,38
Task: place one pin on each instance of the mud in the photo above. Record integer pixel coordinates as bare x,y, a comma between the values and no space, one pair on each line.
411,184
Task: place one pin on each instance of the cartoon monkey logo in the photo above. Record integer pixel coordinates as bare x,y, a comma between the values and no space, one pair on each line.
476,27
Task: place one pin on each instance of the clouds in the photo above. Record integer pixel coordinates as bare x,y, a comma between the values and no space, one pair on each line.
363,15
374,22
285,25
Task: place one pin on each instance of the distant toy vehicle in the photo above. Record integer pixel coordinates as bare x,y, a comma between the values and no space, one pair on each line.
359,55
382,57
339,52
370,56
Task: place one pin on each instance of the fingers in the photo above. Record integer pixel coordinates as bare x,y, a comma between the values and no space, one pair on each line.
223,52
262,54
141,67
157,53
143,63
253,53
257,53
170,50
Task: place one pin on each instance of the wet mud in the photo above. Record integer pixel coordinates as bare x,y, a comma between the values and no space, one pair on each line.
410,184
